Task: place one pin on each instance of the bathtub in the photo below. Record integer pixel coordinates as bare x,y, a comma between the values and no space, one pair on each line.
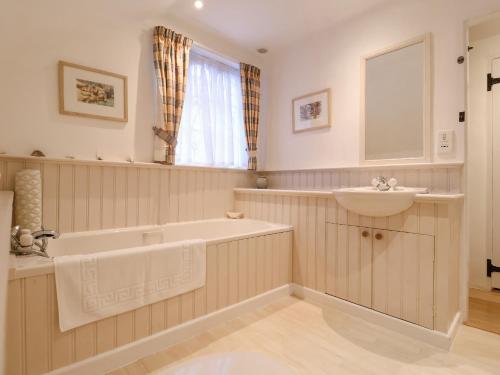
213,231
245,258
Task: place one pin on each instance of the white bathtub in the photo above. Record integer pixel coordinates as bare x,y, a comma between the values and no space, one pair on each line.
244,259
214,231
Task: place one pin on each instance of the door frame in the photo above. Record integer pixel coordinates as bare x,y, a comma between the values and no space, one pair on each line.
467,184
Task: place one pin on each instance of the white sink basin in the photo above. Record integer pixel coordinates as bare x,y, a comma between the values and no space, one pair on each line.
368,201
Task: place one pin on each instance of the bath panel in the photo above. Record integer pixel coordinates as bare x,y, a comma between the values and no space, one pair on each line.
236,271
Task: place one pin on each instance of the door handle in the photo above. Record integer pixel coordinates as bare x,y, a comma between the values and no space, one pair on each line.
365,233
379,236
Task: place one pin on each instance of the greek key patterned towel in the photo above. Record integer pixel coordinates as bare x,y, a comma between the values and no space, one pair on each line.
95,286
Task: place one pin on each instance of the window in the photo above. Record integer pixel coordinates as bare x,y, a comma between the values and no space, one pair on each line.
212,132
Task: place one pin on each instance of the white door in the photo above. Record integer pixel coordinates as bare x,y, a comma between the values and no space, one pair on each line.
495,72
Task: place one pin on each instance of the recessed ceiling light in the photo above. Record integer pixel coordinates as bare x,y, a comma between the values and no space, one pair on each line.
198,4
262,50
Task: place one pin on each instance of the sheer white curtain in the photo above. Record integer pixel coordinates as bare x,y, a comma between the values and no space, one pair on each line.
212,131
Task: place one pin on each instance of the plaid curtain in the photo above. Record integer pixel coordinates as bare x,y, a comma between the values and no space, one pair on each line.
250,86
171,59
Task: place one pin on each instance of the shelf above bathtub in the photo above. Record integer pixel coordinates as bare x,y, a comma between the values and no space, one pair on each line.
28,266
307,193
428,198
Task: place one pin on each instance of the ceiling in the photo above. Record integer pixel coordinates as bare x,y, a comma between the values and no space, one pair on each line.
269,23
486,29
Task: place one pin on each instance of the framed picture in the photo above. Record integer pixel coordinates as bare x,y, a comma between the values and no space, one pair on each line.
92,93
311,111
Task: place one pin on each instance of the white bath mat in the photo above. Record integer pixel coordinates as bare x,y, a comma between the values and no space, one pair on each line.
95,286
237,363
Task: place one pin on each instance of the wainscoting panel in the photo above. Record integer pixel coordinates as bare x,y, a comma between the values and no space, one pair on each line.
236,271
439,179
80,196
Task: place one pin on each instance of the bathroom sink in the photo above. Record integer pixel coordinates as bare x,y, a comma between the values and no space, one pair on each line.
369,201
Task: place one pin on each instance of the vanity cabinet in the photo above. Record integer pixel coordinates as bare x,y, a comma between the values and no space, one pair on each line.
388,271
411,272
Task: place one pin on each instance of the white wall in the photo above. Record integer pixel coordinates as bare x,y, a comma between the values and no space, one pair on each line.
332,59
479,158
112,35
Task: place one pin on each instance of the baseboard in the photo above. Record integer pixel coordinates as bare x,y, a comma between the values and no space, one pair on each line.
120,357
434,338
129,353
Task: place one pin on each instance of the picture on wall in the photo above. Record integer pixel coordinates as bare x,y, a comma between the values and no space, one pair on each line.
92,93
95,93
311,111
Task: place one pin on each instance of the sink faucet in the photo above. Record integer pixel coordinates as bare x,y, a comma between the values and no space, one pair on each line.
36,245
382,183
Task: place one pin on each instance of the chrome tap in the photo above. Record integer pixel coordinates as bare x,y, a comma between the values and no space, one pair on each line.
38,245
382,183
45,233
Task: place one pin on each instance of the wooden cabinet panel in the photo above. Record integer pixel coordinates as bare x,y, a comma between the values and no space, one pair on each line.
389,271
349,259
403,276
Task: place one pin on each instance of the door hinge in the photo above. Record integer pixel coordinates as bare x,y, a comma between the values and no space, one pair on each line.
492,81
461,116
490,268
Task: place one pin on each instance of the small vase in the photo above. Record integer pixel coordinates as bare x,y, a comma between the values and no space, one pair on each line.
261,182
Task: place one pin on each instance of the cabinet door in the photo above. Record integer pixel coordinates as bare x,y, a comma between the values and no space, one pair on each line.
403,276
349,263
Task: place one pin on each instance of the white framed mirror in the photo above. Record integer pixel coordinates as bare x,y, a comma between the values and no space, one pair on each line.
396,104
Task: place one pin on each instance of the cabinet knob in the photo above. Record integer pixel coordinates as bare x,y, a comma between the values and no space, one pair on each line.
365,233
379,236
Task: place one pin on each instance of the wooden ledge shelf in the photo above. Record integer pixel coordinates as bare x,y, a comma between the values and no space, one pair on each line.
116,163
307,193
430,198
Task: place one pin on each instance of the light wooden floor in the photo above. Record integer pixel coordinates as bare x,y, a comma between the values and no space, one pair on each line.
313,340
484,310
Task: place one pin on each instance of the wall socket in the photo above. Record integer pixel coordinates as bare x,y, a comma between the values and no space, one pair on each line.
446,142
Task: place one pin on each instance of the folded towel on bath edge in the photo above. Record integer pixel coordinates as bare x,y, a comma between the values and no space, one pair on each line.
95,286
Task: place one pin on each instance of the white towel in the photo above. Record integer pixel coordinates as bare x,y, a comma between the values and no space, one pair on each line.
95,286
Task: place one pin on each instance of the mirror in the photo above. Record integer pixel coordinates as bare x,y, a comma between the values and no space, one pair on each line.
395,125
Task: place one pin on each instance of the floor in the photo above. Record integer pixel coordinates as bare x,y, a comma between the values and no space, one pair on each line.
314,340
484,310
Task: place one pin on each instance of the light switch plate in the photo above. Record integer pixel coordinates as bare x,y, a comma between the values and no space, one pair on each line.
446,141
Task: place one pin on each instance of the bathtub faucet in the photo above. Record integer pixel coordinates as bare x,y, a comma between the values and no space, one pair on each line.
23,242
44,233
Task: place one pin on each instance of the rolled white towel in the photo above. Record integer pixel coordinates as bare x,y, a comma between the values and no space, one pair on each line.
28,199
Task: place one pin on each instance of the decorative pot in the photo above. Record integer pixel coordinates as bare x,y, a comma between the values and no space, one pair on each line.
262,182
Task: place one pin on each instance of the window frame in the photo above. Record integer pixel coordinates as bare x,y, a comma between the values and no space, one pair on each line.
232,63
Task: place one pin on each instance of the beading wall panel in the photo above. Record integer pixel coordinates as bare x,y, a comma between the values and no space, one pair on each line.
236,270
81,196
439,179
